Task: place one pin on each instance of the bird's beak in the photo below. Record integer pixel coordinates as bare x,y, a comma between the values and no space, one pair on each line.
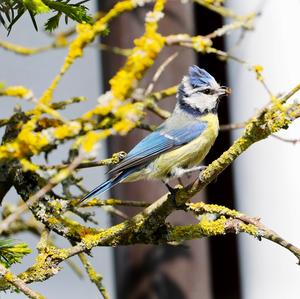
224,91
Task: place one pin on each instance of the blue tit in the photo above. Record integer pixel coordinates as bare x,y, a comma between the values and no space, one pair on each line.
179,144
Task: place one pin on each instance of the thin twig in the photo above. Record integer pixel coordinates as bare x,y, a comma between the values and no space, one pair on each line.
19,283
290,93
114,50
146,127
233,126
27,51
4,122
114,211
116,158
114,202
227,28
159,71
152,106
221,10
293,141
249,67
95,277
24,50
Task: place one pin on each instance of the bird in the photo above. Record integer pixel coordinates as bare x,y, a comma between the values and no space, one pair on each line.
180,143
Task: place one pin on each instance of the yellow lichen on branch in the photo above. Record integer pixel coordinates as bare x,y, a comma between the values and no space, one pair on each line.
21,49
90,140
145,51
16,91
147,48
86,34
27,142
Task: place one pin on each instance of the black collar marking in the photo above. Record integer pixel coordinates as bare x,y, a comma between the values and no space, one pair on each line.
194,110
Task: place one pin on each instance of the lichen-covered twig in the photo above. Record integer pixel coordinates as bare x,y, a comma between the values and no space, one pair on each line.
95,277
19,283
114,202
21,50
236,222
34,198
220,9
235,126
57,44
116,158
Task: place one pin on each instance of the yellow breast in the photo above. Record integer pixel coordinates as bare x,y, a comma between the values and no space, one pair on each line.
189,155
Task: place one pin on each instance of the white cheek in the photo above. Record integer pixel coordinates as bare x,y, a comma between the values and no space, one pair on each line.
202,102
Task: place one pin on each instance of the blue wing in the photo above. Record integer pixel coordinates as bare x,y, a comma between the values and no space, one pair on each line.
173,133
167,137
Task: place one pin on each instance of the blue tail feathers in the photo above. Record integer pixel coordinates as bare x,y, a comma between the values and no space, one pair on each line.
98,190
106,185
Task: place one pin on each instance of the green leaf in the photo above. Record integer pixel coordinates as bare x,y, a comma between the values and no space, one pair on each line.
76,12
20,12
53,22
105,32
32,16
12,252
12,10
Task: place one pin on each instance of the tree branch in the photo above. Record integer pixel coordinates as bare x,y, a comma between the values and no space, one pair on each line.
95,277
19,283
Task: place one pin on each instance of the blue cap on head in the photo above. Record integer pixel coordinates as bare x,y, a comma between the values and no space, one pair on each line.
200,77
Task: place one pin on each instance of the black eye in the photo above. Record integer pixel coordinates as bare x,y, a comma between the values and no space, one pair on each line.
206,91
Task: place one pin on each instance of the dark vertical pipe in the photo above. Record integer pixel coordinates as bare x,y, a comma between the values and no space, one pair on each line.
223,250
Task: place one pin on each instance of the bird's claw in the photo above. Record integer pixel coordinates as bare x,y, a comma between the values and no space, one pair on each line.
173,192
202,169
171,189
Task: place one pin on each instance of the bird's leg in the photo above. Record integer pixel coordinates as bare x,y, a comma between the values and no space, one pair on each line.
199,168
180,181
179,172
172,191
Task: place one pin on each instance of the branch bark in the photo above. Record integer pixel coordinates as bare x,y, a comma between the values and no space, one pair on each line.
19,283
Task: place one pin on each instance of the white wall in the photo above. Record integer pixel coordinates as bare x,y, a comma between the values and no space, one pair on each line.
84,78
267,175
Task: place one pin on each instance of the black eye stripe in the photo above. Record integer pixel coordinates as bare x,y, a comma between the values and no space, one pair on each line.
206,91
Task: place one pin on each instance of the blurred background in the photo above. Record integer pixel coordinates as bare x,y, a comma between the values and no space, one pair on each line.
263,182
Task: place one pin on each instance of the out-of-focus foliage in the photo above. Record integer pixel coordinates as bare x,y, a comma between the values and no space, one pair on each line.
12,252
12,10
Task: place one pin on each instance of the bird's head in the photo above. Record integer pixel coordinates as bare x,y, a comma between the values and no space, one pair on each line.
199,92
